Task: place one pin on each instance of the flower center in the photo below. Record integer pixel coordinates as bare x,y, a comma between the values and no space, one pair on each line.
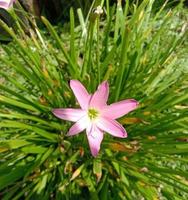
92,113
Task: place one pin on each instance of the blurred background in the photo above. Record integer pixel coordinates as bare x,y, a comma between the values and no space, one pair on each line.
57,11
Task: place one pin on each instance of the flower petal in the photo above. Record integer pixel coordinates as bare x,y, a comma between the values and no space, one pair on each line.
117,110
95,137
69,114
6,4
111,126
79,126
80,93
11,3
100,97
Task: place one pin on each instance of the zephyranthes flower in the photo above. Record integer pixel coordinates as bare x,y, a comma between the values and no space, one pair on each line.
95,115
6,4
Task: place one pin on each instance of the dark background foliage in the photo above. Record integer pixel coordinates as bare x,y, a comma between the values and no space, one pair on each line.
58,10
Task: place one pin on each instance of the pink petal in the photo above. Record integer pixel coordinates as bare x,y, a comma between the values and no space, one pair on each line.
100,97
5,4
117,110
11,2
80,93
78,127
69,114
111,126
95,137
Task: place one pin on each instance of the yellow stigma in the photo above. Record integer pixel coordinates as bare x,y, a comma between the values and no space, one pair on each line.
92,113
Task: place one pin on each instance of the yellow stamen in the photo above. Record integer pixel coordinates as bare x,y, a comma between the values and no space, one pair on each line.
92,113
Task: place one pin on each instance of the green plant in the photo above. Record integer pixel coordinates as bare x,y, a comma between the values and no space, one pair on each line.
143,56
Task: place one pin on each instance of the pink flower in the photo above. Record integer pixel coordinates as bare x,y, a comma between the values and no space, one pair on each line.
6,4
95,115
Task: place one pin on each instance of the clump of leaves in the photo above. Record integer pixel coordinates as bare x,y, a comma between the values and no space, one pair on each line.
142,55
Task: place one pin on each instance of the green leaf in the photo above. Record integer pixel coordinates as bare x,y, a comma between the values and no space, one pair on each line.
13,144
15,174
34,149
97,169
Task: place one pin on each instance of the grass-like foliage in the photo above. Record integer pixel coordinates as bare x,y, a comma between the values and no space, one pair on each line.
143,56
